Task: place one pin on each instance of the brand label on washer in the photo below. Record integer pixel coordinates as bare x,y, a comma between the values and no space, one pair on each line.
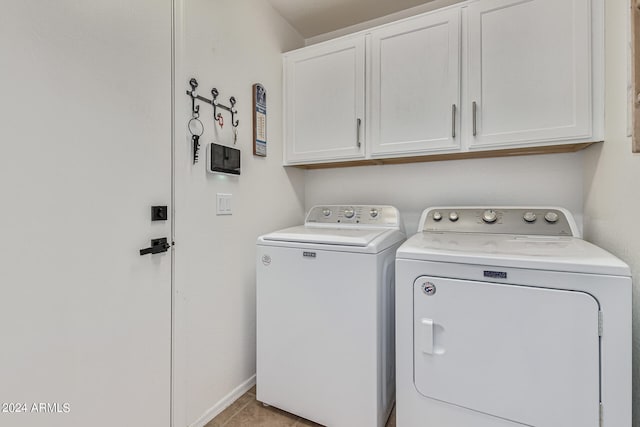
495,274
309,254
266,259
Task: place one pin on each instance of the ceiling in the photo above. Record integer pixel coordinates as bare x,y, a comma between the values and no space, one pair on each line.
313,17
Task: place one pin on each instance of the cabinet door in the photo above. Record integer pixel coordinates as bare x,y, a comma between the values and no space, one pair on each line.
324,102
415,85
529,72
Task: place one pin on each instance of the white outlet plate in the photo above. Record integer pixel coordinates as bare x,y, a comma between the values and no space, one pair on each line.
223,204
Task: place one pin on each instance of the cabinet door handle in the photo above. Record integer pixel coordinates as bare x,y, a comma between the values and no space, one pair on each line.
474,108
453,120
358,126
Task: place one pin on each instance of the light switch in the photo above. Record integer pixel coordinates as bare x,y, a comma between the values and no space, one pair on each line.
223,204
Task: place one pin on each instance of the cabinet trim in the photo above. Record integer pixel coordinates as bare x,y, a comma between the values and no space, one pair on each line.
527,151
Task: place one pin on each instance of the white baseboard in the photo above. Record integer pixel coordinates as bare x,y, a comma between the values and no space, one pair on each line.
226,401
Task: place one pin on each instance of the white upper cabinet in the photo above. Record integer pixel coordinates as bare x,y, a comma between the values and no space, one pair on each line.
324,102
482,75
530,68
415,85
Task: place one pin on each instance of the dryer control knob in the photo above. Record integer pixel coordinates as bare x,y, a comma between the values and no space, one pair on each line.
326,212
453,216
437,216
489,216
530,217
551,217
349,213
374,213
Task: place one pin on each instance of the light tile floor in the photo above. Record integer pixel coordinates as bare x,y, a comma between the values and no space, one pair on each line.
248,412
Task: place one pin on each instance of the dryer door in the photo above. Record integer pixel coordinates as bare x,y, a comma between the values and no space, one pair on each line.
525,354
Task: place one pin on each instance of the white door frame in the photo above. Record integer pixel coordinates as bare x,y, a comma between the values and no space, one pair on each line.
178,306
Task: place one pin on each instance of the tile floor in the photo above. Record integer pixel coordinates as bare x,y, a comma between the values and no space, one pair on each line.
248,412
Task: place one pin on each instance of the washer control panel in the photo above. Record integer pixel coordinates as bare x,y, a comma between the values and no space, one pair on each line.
387,216
532,221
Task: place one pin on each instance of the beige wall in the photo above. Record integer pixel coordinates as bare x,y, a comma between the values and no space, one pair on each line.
545,180
218,297
228,44
612,173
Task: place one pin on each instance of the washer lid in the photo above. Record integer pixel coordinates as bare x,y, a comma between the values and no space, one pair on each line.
327,236
553,253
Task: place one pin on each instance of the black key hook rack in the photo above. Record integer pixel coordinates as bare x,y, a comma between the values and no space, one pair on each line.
217,116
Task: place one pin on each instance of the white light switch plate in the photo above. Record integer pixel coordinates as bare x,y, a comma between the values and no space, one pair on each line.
223,204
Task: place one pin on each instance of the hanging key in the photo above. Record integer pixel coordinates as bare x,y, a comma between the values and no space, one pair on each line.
196,147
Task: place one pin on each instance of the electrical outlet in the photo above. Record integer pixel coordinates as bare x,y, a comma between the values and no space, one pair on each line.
223,204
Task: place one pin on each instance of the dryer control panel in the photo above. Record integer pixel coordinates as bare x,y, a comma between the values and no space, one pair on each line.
544,221
361,215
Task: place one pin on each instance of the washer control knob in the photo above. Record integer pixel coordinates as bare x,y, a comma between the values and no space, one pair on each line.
530,217
349,213
373,212
453,216
489,216
551,217
437,216
326,212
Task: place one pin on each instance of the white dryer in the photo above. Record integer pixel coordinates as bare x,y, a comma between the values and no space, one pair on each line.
325,301
505,318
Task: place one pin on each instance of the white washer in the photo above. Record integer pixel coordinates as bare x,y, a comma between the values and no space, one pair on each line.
325,300
505,317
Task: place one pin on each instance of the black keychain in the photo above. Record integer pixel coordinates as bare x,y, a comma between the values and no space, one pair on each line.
196,148
196,128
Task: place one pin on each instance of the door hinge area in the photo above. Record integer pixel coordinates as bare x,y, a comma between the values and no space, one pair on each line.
600,328
601,415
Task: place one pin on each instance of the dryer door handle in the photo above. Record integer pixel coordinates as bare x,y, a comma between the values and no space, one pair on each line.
426,330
